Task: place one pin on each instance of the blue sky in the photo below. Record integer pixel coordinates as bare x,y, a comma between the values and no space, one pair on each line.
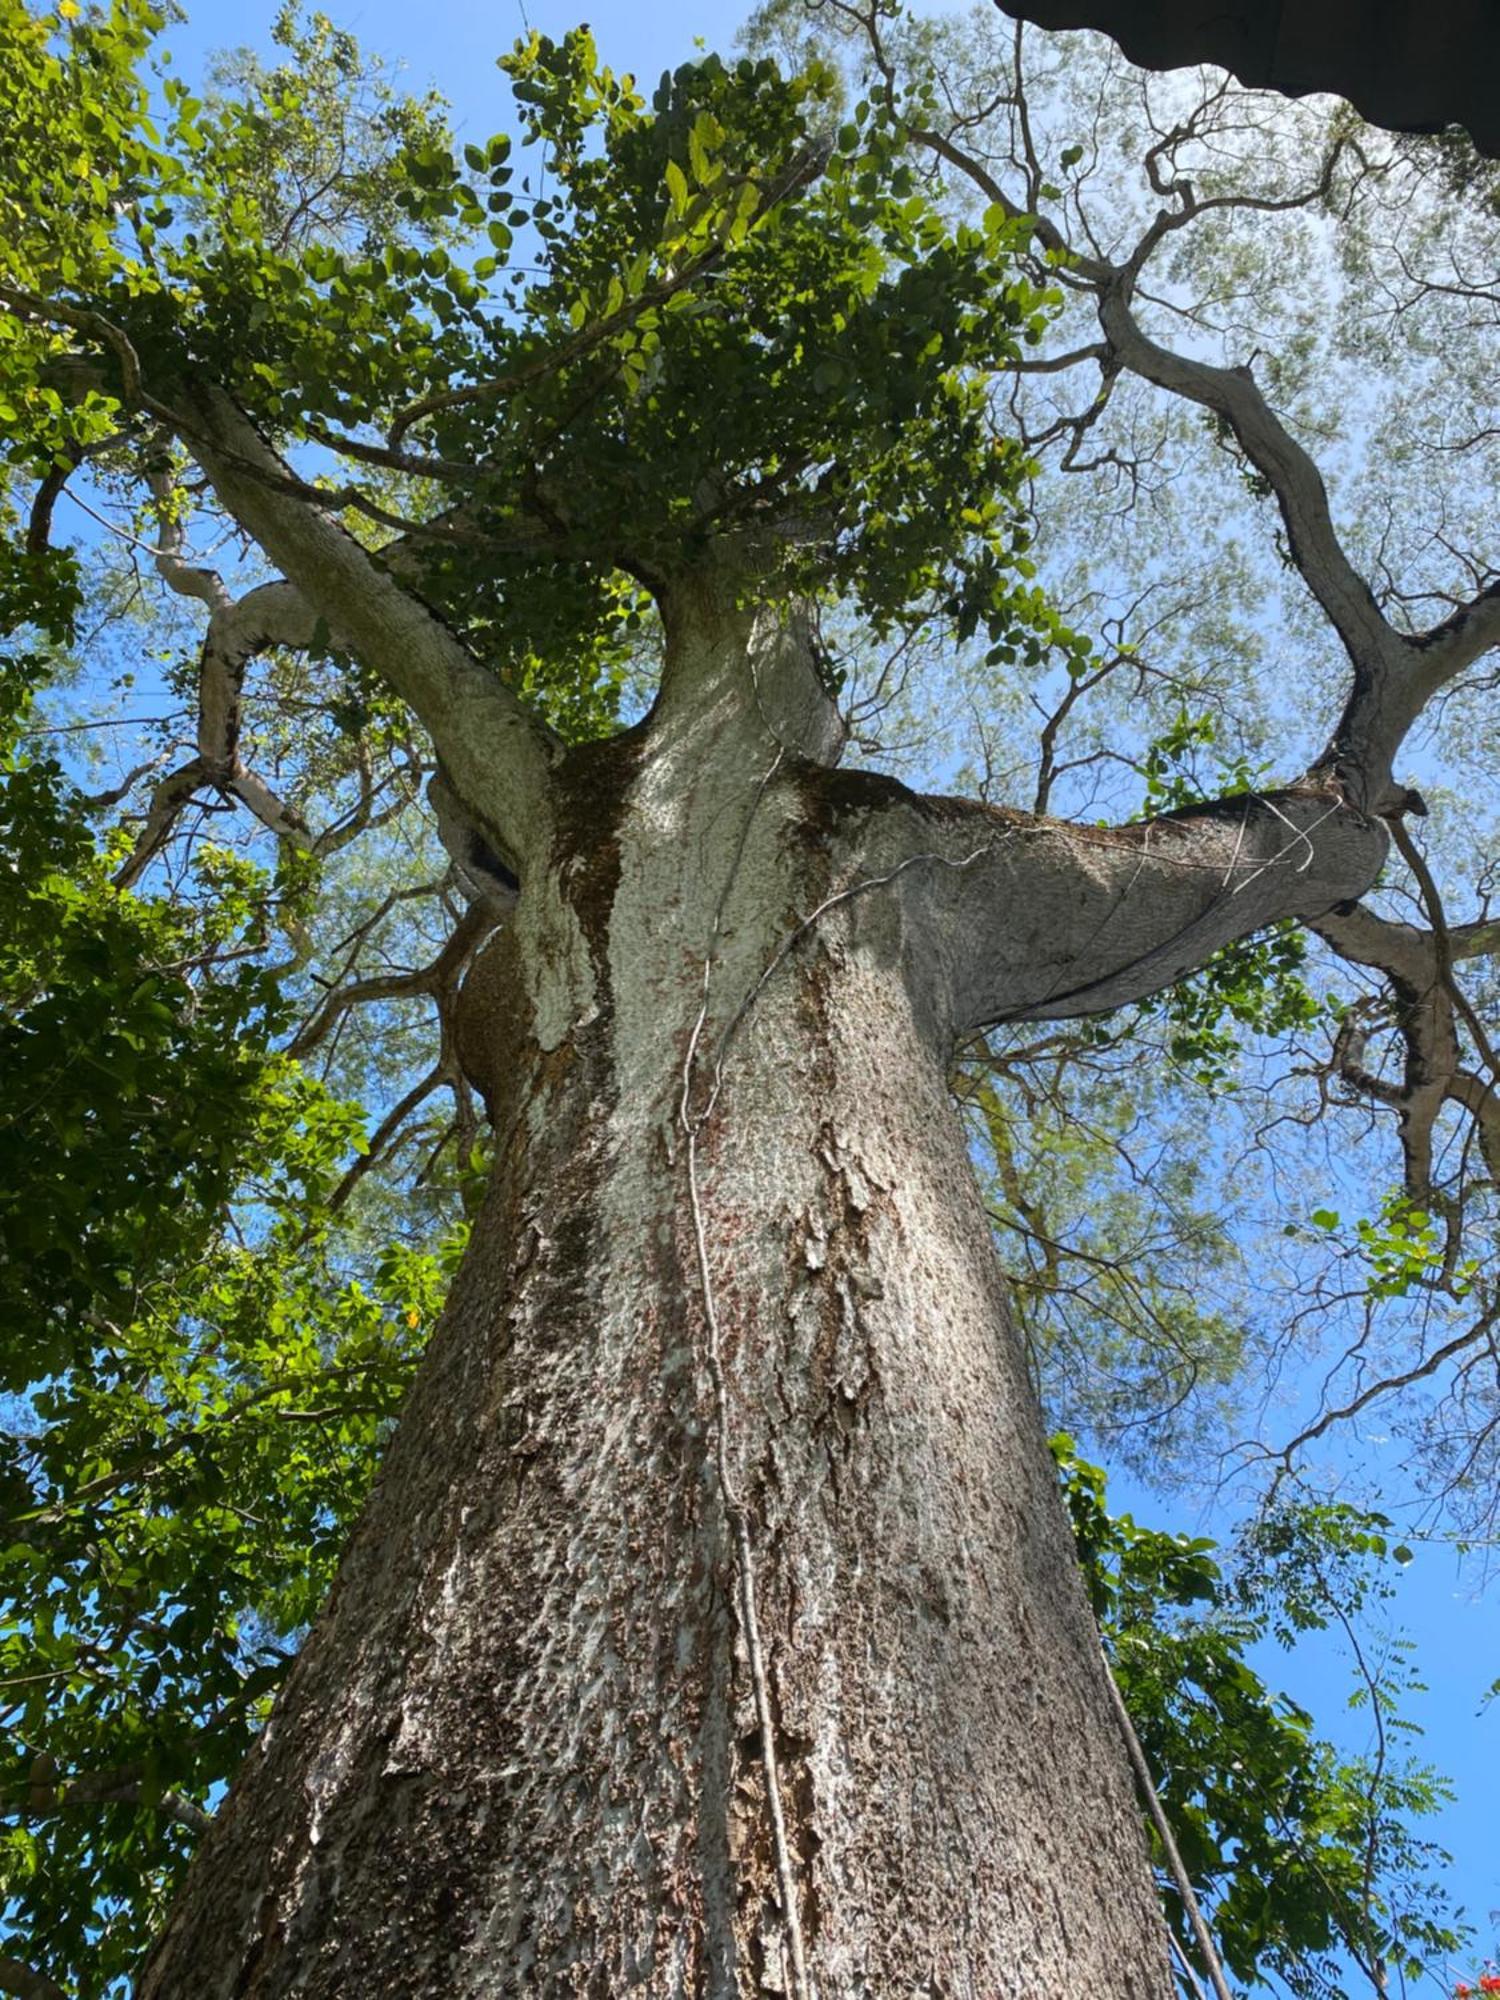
454,48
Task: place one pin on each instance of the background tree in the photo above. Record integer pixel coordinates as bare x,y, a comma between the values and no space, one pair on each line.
749,384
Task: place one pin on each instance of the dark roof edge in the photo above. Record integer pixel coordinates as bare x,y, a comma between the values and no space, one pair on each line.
1410,65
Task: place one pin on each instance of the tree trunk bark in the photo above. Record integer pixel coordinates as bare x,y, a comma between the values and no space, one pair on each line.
522,1752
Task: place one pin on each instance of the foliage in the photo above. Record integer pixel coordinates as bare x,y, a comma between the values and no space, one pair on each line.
731,306
195,1400
320,130
176,1508
1254,987
1125,1280
1299,1852
113,1169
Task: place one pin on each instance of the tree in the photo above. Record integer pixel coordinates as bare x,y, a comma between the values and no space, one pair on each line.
713,1622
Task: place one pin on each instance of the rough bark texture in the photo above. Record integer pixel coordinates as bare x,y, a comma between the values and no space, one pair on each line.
521,1753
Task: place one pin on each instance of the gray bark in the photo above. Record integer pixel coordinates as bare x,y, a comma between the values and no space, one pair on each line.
522,1751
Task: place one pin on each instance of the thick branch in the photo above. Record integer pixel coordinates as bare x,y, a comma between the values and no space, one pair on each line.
758,665
125,1786
167,801
1019,918
497,754
1232,394
1446,649
1394,674
1423,1016
272,615
439,980
26,1983
1478,1097
1426,1005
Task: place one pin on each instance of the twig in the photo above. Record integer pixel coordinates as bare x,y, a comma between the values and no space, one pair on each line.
1185,1966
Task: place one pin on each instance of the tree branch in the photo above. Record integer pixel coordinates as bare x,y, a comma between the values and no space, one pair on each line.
497,753
26,1983
439,980
1427,1002
167,801
1394,674
124,1786
1012,917
272,615
806,167
1482,1329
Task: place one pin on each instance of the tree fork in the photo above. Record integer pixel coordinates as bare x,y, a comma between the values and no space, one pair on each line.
522,1751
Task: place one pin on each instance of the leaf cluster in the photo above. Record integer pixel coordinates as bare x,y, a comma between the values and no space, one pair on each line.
193,1388
721,321
1299,1852
110,1167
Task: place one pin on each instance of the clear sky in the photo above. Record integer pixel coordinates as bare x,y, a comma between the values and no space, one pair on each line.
454,47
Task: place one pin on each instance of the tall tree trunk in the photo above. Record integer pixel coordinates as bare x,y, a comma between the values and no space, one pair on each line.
733,1231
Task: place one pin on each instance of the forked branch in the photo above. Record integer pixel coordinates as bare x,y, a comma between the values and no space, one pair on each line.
498,754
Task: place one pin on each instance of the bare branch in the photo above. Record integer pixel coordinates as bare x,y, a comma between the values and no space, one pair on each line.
1426,1004
1394,675
438,978
1298,485
167,801
387,1132
1035,919
1481,1331
272,615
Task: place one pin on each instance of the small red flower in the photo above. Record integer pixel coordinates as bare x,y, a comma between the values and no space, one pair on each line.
1461,1992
